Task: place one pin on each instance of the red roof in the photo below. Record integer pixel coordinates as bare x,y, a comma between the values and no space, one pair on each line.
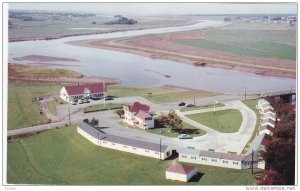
137,106
94,88
181,169
269,109
142,114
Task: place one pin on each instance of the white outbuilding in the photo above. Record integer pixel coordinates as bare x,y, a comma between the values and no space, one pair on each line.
180,172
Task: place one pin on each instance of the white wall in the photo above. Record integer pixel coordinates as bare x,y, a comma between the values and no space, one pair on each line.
63,94
176,176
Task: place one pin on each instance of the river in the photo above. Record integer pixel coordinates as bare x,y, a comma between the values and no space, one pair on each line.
135,70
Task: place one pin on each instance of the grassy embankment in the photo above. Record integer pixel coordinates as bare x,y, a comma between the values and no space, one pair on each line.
100,107
62,156
242,39
159,95
22,110
252,105
225,121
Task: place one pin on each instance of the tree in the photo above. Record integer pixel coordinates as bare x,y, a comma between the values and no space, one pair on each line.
120,112
94,122
171,120
86,121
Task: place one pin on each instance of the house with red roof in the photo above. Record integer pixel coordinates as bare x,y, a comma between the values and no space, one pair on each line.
87,91
137,115
181,172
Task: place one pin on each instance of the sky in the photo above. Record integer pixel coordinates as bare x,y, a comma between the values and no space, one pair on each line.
162,8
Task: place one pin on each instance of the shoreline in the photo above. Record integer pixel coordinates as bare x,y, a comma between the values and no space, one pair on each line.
109,45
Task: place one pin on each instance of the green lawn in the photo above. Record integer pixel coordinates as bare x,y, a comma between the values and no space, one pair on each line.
201,107
159,95
225,121
100,107
279,44
252,105
63,157
52,107
22,111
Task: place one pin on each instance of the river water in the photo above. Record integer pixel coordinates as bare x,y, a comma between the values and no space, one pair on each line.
138,70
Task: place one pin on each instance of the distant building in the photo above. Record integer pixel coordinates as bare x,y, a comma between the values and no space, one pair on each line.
90,91
137,115
180,172
134,146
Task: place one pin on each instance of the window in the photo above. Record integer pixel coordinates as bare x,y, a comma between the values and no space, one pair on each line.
213,160
225,161
235,163
113,144
133,148
104,142
204,159
125,146
146,151
183,156
157,153
193,157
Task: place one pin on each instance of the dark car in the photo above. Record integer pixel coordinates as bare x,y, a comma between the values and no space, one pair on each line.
109,98
181,104
190,105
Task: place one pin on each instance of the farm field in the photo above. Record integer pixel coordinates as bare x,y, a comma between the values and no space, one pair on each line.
225,121
158,95
278,44
61,156
22,111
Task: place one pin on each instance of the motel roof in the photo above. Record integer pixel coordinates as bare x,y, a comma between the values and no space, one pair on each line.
262,101
256,143
269,115
137,106
266,127
94,88
266,105
181,169
98,134
268,120
270,110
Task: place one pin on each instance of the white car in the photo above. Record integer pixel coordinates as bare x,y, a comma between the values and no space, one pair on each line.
80,101
185,136
73,102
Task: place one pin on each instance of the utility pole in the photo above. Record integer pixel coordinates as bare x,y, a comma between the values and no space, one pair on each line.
252,162
159,148
69,114
194,100
245,93
214,105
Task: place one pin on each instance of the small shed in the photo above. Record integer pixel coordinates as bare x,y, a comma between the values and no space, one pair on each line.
180,172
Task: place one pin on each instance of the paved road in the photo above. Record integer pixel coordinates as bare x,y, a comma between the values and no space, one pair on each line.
234,142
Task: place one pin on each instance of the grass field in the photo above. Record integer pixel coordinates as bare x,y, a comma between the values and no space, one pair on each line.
63,157
279,44
22,111
100,107
21,70
252,105
201,107
225,121
159,95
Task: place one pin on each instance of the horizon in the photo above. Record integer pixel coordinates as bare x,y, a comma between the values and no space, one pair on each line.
163,8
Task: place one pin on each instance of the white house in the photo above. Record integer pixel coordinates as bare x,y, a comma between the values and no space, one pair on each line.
266,129
96,136
90,91
181,172
137,115
225,160
268,121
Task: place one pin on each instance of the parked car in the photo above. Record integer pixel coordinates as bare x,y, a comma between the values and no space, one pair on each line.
190,105
38,98
109,98
73,102
80,101
185,136
181,104
86,101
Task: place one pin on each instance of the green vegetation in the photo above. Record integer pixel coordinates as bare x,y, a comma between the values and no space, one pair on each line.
279,44
252,105
225,121
201,107
52,107
100,107
158,95
23,111
21,70
63,157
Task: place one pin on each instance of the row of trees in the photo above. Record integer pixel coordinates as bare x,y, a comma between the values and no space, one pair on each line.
94,122
280,153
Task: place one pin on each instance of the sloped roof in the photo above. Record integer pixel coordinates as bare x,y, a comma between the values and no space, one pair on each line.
181,169
269,115
268,127
269,110
98,134
142,115
137,106
94,88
